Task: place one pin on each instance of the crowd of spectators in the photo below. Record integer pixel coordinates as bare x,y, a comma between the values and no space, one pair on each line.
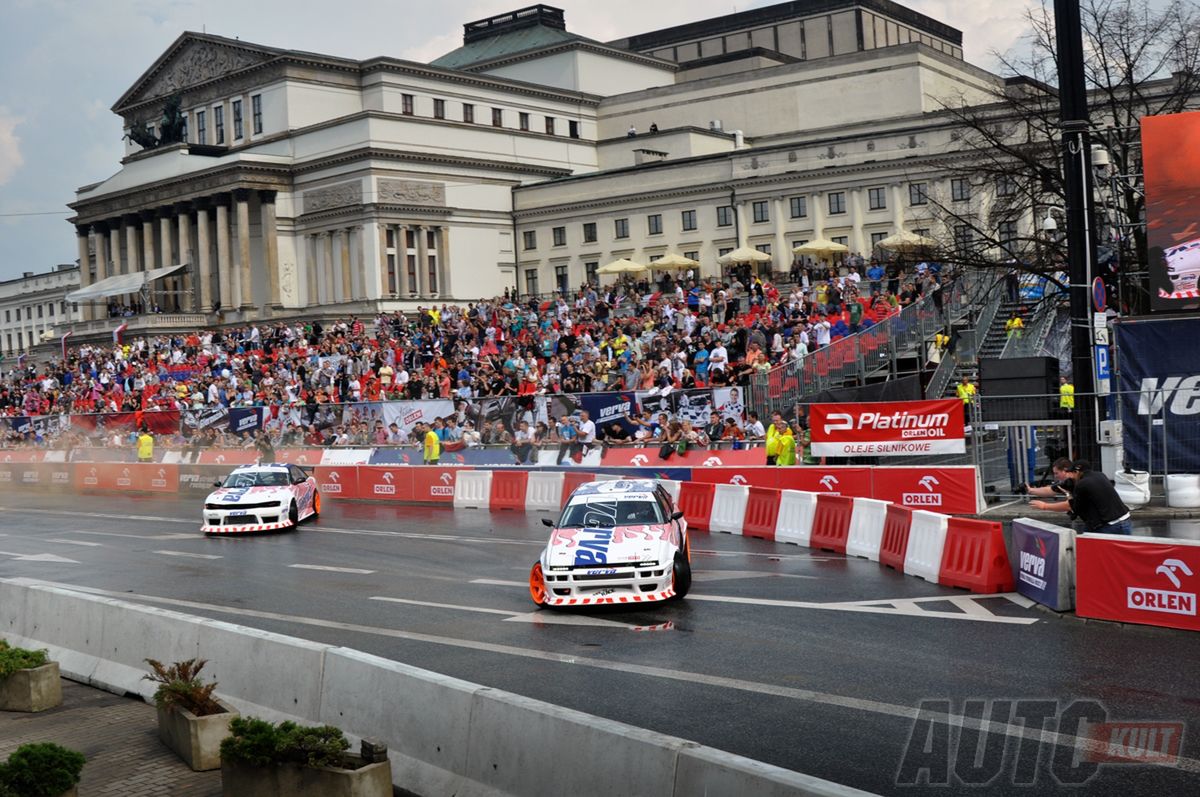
678,333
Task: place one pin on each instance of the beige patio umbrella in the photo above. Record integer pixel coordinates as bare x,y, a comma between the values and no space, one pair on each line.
673,260
744,255
820,247
905,241
622,266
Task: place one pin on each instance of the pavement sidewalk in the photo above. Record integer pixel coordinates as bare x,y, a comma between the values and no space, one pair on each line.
119,738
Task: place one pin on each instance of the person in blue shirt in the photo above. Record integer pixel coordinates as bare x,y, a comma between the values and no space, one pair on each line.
876,274
700,364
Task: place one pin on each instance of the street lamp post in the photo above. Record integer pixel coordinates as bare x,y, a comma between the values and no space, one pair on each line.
1081,239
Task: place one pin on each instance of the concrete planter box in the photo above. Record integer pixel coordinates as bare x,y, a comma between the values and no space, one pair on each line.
32,690
197,740
295,780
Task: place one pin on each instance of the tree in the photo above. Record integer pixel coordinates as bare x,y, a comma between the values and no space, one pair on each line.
1139,61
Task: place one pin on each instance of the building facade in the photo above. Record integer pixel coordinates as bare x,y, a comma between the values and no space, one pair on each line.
33,308
523,159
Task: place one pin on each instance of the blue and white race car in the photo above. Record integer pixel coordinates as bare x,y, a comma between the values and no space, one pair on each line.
615,542
261,498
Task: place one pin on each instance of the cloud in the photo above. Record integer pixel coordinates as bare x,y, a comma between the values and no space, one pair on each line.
10,145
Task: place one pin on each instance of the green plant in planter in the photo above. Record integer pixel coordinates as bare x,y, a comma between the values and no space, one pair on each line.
40,770
179,685
259,743
13,659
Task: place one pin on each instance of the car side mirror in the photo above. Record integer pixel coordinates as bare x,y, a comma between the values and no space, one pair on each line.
548,522
677,515
216,484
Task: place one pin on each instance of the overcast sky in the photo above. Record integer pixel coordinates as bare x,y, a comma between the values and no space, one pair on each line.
65,62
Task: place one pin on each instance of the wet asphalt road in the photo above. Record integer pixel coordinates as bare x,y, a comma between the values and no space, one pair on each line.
773,656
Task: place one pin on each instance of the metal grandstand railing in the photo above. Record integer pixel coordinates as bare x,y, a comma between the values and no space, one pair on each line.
850,360
1031,341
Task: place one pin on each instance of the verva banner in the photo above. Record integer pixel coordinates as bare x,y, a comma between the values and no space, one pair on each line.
881,429
1133,580
950,490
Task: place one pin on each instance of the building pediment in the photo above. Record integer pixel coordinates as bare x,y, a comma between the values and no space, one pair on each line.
193,60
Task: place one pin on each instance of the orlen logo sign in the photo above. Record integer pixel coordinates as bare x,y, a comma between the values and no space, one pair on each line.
737,479
160,479
1160,600
641,460
713,462
90,480
334,484
124,480
387,488
445,488
910,424
927,498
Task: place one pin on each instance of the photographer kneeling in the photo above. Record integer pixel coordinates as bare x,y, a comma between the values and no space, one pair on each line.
1093,499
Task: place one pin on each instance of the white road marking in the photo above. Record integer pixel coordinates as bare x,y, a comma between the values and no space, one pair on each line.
736,684
195,536
730,575
97,515
970,606
39,557
536,617
77,542
327,568
416,536
191,555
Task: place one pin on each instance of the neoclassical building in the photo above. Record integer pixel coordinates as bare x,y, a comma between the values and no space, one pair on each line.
303,183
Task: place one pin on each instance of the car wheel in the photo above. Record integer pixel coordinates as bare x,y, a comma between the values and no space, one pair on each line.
537,585
316,504
294,514
681,576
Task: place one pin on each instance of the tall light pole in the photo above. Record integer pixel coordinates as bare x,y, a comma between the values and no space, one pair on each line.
1081,238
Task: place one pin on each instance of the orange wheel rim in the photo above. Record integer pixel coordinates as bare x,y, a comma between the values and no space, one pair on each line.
317,502
537,584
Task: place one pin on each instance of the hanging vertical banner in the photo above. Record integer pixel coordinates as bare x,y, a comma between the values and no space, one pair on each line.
894,428
1171,163
1160,381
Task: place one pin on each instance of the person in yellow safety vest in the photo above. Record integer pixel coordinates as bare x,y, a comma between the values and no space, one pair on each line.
772,437
433,446
786,442
965,391
145,446
1014,325
1066,395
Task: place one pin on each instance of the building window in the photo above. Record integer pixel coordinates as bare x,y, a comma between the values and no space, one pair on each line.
468,113
724,250
256,112
589,232
621,228
922,231
237,120
837,202
653,225
876,237
391,274
531,281
1006,185
560,236
530,239
960,189
550,130
963,236
497,117
762,211
799,207
8,316
916,194
800,242
877,198
406,104
201,127
219,123
562,282
183,126
589,272
689,220
572,128
764,248
439,109
725,216
1007,233
692,256
28,313
50,307
523,120
39,311
410,266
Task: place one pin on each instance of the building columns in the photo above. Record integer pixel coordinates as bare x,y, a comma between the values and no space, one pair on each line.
203,260
897,208
114,248
347,277
781,249
326,293
818,216
148,256
185,301
360,263
857,243
742,231
166,258
85,267
443,247
309,296
245,281
224,265
422,261
266,201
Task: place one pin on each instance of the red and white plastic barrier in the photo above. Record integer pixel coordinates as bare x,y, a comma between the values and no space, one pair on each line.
926,543
728,508
795,520
866,528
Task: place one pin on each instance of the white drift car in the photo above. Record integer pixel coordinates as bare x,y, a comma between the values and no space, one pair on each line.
616,542
261,498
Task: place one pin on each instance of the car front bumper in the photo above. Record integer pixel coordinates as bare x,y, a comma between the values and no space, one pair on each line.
582,586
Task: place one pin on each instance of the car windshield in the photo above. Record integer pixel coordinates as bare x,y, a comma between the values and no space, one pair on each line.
610,513
259,478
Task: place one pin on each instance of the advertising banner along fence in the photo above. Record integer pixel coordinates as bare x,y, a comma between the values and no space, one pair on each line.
1045,563
1138,580
902,428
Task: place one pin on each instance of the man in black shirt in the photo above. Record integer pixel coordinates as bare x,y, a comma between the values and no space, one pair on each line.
1094,500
